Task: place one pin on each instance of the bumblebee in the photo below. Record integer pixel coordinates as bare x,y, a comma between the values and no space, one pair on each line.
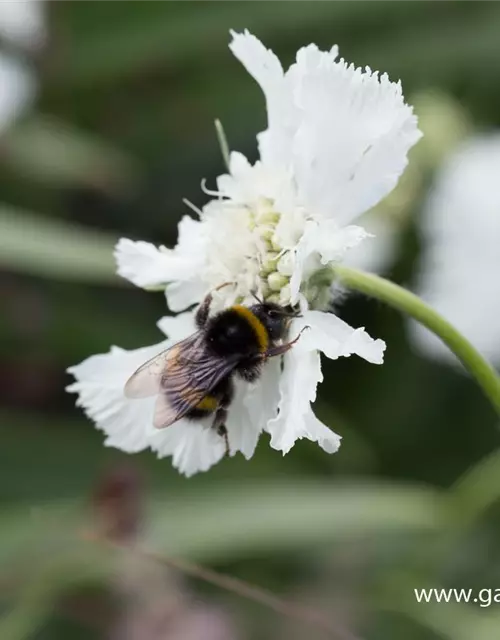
194,378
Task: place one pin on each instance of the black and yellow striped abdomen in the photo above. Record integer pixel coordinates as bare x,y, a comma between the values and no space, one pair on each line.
220,395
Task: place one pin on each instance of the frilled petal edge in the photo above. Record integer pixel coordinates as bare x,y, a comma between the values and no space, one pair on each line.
302,372
335,338
146,265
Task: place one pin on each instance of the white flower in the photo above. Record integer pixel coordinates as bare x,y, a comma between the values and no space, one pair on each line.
22,24
460,263
336,143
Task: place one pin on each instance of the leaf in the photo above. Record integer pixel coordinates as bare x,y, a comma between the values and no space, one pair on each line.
478,489
52,248
54,152
452,621
223,522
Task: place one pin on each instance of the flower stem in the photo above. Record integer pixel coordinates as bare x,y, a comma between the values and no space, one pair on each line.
294,610
408,303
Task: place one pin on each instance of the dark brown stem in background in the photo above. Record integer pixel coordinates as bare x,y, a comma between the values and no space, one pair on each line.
117,505
257,594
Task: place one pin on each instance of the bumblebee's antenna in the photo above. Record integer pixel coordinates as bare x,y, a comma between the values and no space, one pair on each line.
256,297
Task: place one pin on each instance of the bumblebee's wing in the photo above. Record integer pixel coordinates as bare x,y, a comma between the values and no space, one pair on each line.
182,376
187,382
146,381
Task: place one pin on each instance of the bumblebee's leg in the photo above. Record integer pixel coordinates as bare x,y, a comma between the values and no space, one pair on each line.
225,392
219,425
282,348
201,315
250,368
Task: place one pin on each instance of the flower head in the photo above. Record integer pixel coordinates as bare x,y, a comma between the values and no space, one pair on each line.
336,143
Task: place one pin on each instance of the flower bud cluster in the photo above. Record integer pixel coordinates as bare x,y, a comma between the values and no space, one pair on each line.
277,263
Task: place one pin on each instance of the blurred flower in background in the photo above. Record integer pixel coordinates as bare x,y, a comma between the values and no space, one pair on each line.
23,23
460,261
22,31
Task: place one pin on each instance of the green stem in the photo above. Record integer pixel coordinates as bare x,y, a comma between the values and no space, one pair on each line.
410,304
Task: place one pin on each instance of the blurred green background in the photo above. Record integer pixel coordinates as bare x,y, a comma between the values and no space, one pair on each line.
119,130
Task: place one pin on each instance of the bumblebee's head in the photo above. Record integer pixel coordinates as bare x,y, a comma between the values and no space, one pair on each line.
274,317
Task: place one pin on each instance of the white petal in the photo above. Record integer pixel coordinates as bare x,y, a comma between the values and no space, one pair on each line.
333,243
242,431
247,185
354,134
262,397
142,263
299,379
238,184
148,266
323,239
254,406
194,446
177,327
274,143
99,384
181,295
313,429
335,338
302,373
461,258
260,62
345,131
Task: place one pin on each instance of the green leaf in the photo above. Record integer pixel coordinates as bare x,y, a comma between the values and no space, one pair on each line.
225,521
479,488
52,248
51,151
452,621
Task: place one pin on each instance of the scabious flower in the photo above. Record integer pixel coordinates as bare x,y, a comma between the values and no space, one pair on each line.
336,142
460,262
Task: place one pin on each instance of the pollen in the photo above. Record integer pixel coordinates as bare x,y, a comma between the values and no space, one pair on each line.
208,403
